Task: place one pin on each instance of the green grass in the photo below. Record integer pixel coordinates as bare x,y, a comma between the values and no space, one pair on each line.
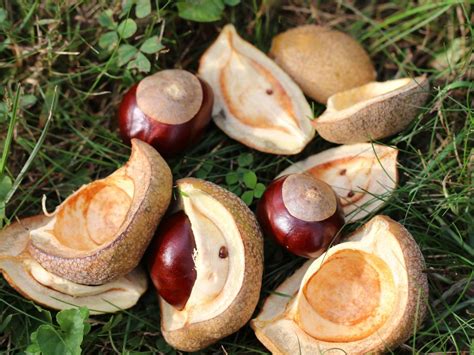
44,45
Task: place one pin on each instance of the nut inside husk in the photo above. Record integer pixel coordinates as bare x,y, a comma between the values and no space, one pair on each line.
322,61
372,111
227,286
102,230
366,295
256,102
30,279
363,175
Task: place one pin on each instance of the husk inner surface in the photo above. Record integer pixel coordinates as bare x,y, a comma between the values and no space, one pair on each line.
346,99
91,217
219,279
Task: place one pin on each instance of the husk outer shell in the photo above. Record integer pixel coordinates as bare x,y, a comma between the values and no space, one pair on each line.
278,121
377,118
123,254
14,258
196,336
281,335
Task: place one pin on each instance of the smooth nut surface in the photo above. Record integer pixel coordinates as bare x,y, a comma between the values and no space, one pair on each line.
170,96
168,139
171,262
304,238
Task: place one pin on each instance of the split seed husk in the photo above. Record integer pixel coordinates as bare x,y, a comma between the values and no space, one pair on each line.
102,230
31,280
373,111
256,102
366,295
226,291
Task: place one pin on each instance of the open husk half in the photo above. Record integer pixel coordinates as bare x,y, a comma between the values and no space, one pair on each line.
366,295
102,230
256,102
30,279
372,111
227,286
363,175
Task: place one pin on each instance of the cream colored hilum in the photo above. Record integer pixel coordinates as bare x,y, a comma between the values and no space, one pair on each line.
256,103
218,280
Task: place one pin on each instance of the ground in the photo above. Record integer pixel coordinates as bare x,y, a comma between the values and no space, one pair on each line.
73,47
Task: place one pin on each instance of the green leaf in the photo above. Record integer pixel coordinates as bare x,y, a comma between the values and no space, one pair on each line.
5,322
141,63
106,20
125,53
27,101
151,45
65,340
3,15
4,44
108,40
5,186
182,193
250,179
143,8
236,189
247,197
127,28
245,159
259,190
126,7
200,10
113,322
232,2
232,178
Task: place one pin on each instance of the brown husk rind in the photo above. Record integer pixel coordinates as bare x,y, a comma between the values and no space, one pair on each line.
281,335
14,264
381,118
123,254
196,336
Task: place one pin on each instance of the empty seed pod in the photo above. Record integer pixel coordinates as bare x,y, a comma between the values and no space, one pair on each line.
207,264
102,230
363,175
322,61
366,295
372,111
30,279
256,102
